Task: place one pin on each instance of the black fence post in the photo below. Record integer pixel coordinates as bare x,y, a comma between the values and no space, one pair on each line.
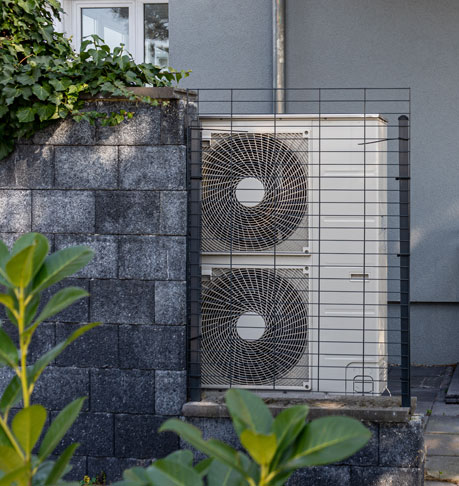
404,188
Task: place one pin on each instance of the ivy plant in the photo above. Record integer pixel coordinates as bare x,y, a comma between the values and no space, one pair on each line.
25,273
42,79
275,447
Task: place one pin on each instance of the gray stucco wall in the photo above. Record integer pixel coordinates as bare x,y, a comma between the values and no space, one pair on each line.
412,43
122,192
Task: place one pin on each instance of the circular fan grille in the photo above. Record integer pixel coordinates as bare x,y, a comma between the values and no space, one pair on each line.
226,357
284,179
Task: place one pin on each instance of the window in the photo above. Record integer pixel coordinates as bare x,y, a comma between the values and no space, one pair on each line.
141,25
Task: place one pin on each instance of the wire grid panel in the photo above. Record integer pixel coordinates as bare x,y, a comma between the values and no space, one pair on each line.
295,235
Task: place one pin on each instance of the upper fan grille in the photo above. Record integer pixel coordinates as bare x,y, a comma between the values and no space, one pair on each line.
279,356
279,162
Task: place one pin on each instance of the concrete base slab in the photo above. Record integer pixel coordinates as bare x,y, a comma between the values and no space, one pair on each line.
452,395
443,468
443,445
445,409
443,425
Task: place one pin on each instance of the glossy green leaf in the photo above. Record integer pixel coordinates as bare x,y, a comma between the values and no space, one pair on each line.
248,411
211,447
222,475
183,457
26,114
19,267
202,467
16,477
53,353
4,253
165,472
27,426
59,428
12,395
61,264
327,440
261,447
61,466
8,351
41,248
7,301
40,91
9,459
60,301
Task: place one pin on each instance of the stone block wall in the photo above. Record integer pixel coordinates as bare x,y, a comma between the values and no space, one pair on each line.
394,456
122,192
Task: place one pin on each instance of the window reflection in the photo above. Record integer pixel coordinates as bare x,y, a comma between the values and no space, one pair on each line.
111,24
156,33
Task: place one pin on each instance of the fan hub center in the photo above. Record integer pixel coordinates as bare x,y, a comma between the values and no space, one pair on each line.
250,326
250,192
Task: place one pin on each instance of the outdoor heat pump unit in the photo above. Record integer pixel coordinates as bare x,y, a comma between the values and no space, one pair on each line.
293,253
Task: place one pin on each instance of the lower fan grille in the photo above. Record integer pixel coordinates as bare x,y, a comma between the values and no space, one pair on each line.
276,355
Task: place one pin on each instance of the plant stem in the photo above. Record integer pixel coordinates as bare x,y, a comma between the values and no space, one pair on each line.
23,348
11,438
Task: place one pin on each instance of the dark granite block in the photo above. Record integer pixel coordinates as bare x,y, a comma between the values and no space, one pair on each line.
57,387
141,257
137,436
170,394
66,132
122,301
173,122
63,211
322,476
386,476
94,433
113,467
78,464
153,168
173,213
369,455
142,129
402,445
15,211
170,303
98,348
104,262
152,347
28,167
86,167
127,212
127,391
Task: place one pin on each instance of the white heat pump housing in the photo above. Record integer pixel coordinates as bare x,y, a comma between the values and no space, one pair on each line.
286,208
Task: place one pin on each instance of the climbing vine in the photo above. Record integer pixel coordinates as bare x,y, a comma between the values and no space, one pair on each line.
42,79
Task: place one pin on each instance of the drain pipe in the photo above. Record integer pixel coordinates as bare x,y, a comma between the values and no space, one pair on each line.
279,56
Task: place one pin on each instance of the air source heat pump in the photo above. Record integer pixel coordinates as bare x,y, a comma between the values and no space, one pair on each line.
292,297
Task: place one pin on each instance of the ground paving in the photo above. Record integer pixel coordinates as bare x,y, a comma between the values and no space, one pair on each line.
430,385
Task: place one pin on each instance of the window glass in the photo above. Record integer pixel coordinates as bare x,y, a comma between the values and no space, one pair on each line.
111,24
156,33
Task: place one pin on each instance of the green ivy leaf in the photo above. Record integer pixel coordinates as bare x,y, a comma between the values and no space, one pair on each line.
26,114
40,91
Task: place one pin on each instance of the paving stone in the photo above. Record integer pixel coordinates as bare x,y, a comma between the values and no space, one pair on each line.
173,213
445,409
152,347
94,433
86,167
127,391
63,211
386,476
97,348
443,425
78,311
127,212
15,211
57,387
105,261
323,476
28,167
153,168
137,435
445,468
122,301
170,394
66,132
170,303
442,444
452,395
142,129
401,445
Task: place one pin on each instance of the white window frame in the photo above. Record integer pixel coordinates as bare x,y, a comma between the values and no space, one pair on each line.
71,24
